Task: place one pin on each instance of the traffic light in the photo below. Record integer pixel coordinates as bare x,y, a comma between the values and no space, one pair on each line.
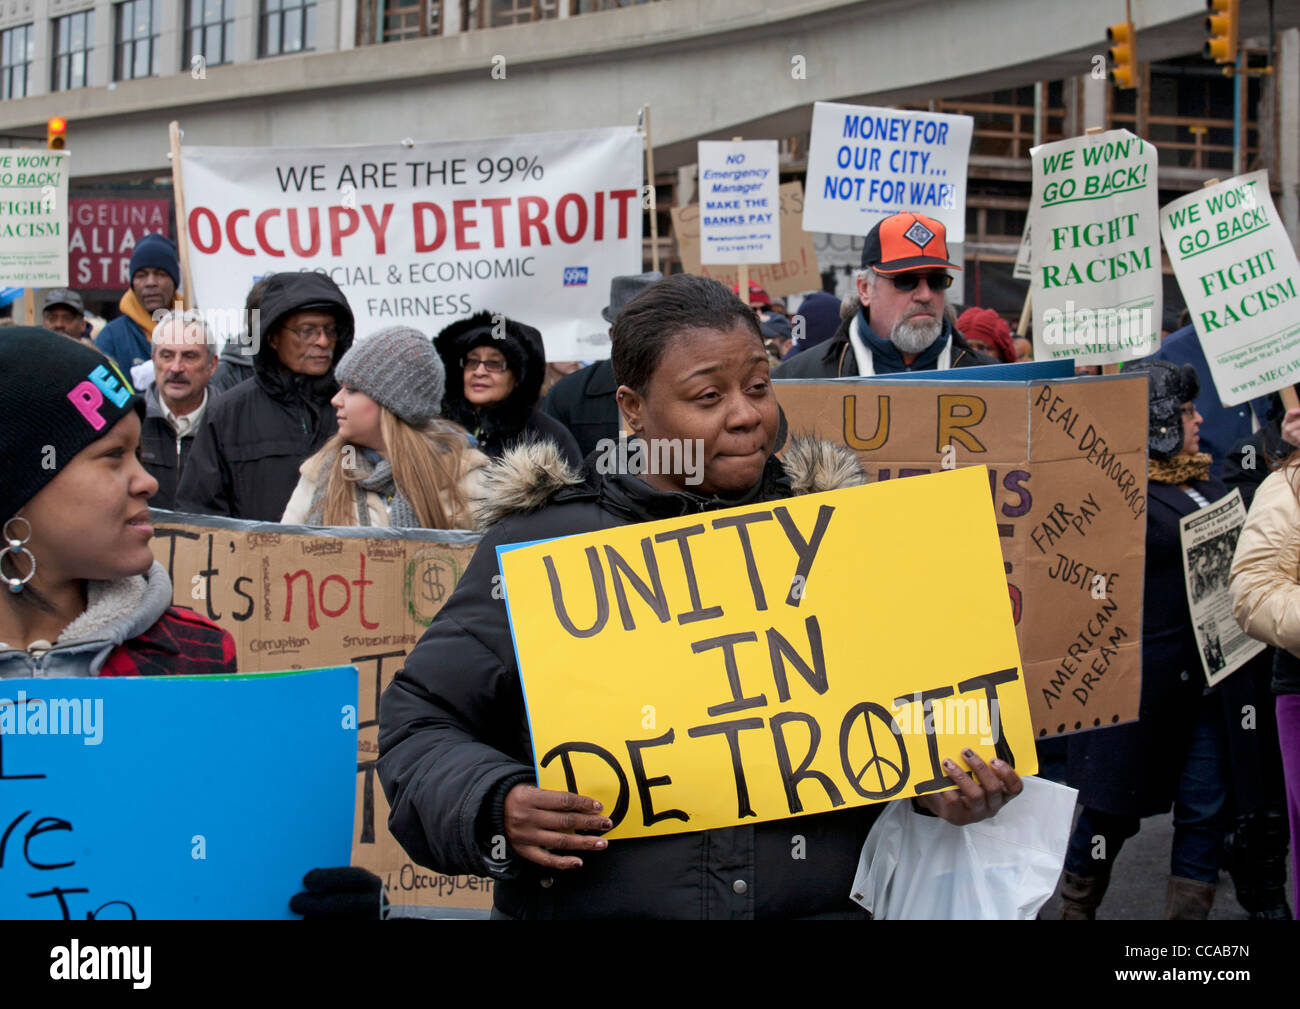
1221,23
56,133
1122,54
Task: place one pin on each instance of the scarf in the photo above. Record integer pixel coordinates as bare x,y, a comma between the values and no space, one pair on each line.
1181,468
133,310
378,478
888,359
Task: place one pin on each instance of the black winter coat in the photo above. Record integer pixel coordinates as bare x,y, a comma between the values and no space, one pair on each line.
163,454
516,419
453,740
254,437
835,359
584,403
1133,769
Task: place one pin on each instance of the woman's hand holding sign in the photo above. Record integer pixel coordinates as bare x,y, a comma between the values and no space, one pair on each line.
538,818
975,798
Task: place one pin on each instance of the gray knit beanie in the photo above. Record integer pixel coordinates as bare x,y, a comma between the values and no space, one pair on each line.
398,368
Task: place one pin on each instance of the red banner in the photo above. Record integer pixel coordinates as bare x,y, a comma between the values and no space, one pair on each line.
102,236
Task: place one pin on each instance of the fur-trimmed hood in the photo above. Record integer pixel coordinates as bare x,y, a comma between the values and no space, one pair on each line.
535,474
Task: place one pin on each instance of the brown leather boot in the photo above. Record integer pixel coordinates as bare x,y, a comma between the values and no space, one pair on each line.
1188,899
1080,895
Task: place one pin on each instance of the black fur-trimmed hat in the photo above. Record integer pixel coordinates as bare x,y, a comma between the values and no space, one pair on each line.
1169,386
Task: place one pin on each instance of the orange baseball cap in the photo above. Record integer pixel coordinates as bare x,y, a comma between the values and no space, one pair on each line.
907,242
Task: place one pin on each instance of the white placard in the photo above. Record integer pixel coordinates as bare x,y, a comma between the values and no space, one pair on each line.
34,218
533,226
866,163
1022,269
1095,225
740,219
1238,273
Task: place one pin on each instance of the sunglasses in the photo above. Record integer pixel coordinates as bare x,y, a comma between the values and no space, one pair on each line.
909,281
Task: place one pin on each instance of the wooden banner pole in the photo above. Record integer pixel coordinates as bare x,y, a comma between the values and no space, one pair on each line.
650,181
182,221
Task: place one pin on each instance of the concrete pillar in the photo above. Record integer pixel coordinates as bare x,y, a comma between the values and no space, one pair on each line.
1093,111
38,75
246,28
328,28
347,24
170,40
101,57
1288,112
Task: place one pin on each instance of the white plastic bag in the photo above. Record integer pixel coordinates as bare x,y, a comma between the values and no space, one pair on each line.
921,867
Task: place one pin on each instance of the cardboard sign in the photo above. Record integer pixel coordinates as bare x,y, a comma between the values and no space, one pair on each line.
1095,264
296,598
738,191
1237,270
1067,470
769,661
534,226
867,163
162,797
34,218
796,272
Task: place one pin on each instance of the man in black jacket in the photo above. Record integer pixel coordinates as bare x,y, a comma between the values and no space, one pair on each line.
901,325
584,401
246,456
184,358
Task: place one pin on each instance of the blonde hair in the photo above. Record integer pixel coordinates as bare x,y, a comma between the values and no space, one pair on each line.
426,463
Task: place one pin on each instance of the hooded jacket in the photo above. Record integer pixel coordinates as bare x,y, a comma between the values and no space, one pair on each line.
454,739
515,419
126,338
129,628
835,358
253,438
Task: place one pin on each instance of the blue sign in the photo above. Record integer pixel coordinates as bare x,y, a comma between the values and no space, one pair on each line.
575,276
173,797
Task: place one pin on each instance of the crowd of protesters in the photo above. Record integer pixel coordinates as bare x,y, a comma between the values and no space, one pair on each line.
307,421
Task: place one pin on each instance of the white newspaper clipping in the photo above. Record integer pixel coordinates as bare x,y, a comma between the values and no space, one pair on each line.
1209,538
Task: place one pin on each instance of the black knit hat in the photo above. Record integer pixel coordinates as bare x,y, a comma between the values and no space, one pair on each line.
58,395
1169,386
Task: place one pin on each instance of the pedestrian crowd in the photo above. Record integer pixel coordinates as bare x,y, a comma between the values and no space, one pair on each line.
306,421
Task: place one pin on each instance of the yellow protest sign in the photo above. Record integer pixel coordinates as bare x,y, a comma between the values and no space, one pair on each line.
772,660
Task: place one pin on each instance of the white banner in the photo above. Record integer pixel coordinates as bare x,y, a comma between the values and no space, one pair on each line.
739,202
867,163
533,226
1238,272
1095,233
33,218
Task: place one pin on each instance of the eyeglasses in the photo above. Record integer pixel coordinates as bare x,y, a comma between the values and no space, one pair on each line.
909,281
492,364
313,333
1188,411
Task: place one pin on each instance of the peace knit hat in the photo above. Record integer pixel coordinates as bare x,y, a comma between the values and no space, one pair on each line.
59,395
157,251
399,369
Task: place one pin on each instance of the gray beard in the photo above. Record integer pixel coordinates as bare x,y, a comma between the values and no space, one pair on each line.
912,337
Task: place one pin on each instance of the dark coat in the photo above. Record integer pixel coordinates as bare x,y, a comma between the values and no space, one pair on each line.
163,454
235,366
453,740
515,419
834,358
253,438
584,403
1133,769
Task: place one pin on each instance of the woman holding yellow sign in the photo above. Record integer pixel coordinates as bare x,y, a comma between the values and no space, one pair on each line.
455,757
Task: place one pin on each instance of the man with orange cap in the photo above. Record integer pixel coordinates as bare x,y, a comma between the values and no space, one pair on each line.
901,325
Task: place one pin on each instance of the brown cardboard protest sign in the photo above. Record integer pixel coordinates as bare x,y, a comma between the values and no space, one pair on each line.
298,599
1067,471
797,272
